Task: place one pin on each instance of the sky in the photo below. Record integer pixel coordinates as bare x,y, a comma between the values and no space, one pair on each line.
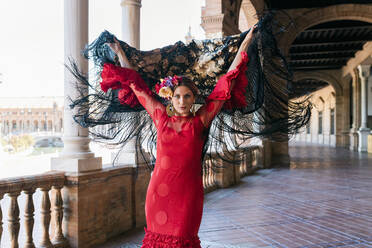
31,43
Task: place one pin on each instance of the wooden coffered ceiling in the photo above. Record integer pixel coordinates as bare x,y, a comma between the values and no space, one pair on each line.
325,46
305,87
329,45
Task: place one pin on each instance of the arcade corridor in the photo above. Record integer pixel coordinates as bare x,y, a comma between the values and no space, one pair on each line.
323,200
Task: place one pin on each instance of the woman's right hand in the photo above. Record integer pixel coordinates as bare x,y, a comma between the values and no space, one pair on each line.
115,47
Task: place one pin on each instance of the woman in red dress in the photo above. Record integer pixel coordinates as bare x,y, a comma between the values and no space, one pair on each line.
174,200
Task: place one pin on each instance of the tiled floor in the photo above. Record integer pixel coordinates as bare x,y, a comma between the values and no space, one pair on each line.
323,200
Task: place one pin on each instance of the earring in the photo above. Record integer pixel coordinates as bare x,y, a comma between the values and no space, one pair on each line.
170,109
193,109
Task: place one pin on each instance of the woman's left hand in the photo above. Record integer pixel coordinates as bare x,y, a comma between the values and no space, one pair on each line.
248,38
243,47
250,34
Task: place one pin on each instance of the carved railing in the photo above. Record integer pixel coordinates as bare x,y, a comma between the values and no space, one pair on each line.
250,157
45,216
209,179
13,188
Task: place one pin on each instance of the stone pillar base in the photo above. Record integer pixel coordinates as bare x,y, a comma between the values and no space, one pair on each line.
76,164
129,158
228,175
370,143
266,150
345,139
363,139
279,155
353,140
102,204
280,160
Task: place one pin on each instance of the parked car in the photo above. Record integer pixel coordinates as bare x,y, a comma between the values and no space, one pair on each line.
8,148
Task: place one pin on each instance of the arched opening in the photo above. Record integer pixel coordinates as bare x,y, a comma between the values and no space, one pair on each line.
21,126
36,126
50,125
60,124
14,125
322,127
319,52
7,127
305,19
43,126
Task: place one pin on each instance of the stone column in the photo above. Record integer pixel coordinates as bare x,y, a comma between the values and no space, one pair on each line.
353,131
131,35
364,73
341,110
128,156
76,155
131,22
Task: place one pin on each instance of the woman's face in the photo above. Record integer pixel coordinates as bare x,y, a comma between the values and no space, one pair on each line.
182,100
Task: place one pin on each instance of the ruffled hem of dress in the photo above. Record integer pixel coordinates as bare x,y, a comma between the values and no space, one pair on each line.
235,98
157,240
116,77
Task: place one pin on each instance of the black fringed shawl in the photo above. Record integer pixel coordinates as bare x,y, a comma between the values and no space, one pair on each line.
269,112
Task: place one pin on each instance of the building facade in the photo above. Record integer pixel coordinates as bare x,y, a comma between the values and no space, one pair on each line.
31,114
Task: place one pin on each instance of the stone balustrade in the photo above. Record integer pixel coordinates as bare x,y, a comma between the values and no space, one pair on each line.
96,205
13,188
247,161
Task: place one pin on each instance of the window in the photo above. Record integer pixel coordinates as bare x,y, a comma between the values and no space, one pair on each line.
320,122
36,125
332,129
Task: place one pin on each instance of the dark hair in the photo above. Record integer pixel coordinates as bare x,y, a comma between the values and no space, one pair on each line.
185,81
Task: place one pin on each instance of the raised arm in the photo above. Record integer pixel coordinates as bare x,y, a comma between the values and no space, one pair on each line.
222,91
133,89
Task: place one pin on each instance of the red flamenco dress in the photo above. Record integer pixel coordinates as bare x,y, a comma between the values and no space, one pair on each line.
174,200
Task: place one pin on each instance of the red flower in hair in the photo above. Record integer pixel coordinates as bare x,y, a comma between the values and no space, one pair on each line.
157,88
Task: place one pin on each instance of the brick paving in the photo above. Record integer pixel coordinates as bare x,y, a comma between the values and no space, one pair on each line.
323,200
